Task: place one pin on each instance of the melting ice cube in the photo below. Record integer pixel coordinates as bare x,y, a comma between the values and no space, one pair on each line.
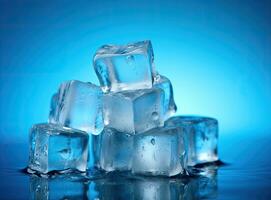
202,134
113,150
53,147
128,67
78,105
159,151
134,111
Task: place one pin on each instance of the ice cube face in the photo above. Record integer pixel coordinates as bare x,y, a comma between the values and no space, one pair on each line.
56,188
113,150
53,107
134,111
78,105
159,151
55,148
128,67
169,103
202,134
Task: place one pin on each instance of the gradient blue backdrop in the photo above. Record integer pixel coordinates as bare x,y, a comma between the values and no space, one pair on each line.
216,53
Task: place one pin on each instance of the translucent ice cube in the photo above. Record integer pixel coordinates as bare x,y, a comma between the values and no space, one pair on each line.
113,150
169,103
57,188
202,134
78,105
126,67
134,111
55,148
159,151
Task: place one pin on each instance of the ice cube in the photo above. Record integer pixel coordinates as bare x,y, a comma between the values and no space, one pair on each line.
53,147
134,111
57,188
128,67
169,103
159,151
113,150
78,105
202,134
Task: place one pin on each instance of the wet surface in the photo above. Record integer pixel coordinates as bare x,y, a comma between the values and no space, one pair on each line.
245,173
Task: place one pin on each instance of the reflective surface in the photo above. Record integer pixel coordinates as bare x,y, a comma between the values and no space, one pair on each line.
246,175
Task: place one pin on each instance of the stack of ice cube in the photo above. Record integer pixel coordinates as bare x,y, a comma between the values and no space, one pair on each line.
125,124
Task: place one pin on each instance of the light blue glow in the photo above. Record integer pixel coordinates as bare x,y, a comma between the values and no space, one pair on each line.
216,53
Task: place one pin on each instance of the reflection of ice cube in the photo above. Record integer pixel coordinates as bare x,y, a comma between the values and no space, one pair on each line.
78,105
114,188
159,188
55,148
169,103
145,188
113,150
134,111
56,188
128,67
159,151
203,187
202,134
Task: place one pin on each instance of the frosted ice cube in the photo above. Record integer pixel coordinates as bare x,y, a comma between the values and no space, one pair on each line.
78,105
169,103
202,134
113,150
159,151
55,148
127,67
134,111
57,188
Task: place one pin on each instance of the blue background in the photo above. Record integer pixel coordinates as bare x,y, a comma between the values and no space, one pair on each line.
216,53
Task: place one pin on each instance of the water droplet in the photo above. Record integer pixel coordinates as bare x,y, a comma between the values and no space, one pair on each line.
154,116
153,141
130,59
38,188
